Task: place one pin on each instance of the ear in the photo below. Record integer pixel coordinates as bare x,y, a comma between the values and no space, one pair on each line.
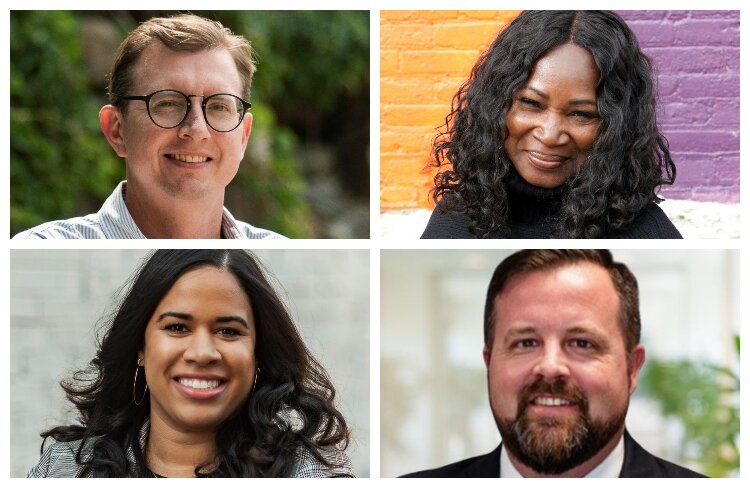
486,353
111,122
637,358
247,125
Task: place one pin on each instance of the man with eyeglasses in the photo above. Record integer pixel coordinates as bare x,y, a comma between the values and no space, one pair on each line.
178,115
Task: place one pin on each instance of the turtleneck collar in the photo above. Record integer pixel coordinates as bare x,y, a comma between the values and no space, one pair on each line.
529,204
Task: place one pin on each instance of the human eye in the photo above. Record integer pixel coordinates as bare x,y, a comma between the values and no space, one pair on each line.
218,107
529,102
523,344
584,116
176,328
222,104
167,102
582,344
228,332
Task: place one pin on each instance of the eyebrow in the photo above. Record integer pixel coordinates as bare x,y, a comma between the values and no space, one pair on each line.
573,330
582,101
519,332
586,330
220,320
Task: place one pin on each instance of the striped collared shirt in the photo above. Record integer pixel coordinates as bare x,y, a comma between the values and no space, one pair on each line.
113,221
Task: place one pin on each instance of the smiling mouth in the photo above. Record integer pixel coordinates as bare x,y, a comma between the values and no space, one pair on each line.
186,158
546,161
196,384
551,401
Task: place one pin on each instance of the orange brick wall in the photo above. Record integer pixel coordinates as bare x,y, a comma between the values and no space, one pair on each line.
425,56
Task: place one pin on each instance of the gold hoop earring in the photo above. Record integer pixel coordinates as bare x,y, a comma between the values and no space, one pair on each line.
255,381
135,380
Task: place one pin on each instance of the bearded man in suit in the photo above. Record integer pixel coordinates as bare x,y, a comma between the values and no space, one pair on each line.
563,354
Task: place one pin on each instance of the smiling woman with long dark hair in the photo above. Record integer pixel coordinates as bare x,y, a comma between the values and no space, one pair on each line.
554,135
201,372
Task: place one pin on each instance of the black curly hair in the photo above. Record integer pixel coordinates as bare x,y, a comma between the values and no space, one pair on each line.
291,406
628,161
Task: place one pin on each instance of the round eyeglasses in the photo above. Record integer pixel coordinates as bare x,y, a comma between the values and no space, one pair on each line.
169,108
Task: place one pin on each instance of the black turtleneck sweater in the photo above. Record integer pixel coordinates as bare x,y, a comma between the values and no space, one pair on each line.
533,214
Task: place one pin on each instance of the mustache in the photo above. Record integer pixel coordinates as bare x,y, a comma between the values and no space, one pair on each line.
558,388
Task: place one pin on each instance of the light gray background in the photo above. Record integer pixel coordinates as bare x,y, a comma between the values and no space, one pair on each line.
58,297
433,383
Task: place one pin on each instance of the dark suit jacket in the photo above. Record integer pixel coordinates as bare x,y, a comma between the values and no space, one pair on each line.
638,463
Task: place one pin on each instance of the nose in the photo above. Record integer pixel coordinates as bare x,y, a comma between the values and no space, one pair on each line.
194,126
551,129
201,349
552,364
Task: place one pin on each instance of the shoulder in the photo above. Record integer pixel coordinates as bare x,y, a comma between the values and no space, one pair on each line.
485,466
57,461
447,223
87,227
106,223
247,231
308,466
639,463
651,223
243,230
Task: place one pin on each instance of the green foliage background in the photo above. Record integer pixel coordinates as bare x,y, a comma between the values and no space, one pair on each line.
57,153
706,399
61,165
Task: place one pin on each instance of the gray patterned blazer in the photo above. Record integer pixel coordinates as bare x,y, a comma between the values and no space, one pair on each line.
59,461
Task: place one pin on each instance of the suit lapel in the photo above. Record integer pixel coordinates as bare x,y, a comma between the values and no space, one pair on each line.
487,466
637,463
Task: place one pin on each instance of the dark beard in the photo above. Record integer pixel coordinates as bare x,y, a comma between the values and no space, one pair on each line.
556,445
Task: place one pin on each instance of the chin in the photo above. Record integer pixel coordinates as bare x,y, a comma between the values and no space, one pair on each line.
202,421
549,179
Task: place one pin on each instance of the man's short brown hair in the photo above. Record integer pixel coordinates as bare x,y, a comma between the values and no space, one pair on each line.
526,261
186,32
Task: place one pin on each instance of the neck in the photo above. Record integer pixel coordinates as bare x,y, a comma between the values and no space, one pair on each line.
174,218
576,472
175,454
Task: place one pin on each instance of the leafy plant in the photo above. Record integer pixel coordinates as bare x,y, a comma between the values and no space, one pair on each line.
59,161
705,398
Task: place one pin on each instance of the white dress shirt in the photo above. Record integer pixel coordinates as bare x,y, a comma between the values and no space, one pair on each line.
113,221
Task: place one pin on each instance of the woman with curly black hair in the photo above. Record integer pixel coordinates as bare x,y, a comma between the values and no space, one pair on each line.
201,372
554,135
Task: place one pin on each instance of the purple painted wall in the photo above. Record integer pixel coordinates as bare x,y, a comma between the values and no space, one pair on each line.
696,56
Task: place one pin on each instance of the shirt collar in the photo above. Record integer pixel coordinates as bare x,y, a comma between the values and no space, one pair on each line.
610,467
142,438
117,223
229,227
